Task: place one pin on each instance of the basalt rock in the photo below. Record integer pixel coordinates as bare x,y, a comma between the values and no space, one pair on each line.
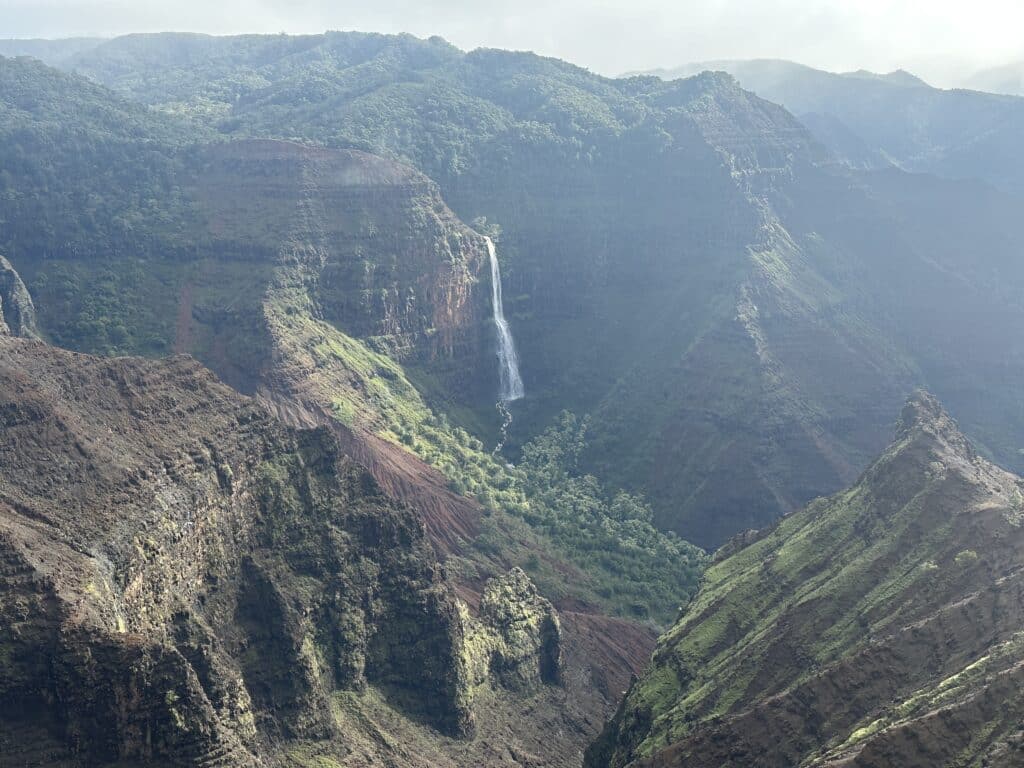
880,627
183,579
17,313
516,641
363,243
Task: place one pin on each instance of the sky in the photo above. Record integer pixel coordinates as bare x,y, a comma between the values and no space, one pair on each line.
941,40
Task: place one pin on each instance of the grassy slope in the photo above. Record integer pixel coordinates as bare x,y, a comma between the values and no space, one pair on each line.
627,566
829,584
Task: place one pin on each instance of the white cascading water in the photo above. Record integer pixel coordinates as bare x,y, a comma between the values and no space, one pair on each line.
508,361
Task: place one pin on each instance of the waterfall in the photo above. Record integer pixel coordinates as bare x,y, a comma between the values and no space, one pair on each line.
508,361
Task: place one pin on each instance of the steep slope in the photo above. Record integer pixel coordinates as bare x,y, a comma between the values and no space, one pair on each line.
681,261
874,121
882,626
186,581
187,577
357,242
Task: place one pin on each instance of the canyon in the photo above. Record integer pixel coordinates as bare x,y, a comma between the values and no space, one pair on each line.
260,297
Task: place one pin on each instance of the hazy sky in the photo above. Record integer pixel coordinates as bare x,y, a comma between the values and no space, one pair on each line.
933,37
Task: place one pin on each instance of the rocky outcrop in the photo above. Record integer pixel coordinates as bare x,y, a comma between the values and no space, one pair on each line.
183,577
879,627
17,313
516,641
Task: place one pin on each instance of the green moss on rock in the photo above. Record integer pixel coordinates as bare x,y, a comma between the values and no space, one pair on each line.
877,627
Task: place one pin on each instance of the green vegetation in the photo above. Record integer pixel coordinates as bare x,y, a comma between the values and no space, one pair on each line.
645,571
635,570
670,250
85,172
109,307
92,209
543,509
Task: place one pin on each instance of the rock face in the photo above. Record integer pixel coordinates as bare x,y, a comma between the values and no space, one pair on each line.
184,578
364,244
880,627
517,639
17,313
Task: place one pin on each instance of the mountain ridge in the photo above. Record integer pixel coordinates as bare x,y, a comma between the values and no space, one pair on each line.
884,120
880,595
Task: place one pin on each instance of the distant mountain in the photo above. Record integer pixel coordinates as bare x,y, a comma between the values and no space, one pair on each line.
880,627
873,120
897,77
52,52
1008,79
777,72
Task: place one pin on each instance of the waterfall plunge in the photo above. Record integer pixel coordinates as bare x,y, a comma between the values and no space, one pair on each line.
508,361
